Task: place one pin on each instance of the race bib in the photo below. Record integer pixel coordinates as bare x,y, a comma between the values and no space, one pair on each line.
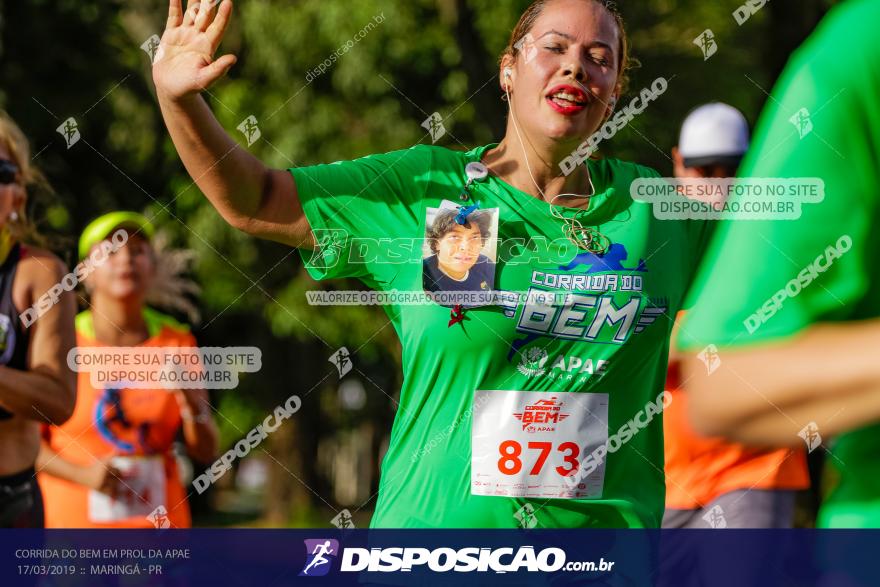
532,443
144,490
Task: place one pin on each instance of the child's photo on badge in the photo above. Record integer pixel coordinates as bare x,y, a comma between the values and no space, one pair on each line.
460,257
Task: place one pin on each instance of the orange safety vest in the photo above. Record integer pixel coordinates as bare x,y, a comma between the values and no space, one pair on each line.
137,428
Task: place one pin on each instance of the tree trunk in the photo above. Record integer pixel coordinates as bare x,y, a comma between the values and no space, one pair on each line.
486,100
293,479
791,22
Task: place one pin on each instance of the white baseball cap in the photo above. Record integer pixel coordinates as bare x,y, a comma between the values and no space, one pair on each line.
714,134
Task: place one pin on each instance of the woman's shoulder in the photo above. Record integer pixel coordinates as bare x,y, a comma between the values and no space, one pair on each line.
620,169
435,154
40,268
419,163
166,327
414,153
162,328
428,157
32,255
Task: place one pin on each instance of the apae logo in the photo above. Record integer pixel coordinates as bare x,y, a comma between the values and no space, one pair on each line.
536,362
531,363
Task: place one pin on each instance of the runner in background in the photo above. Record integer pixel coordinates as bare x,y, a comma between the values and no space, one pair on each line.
35,384
710,479
793,305
111,465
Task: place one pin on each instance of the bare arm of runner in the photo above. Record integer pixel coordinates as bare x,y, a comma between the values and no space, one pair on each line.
199,430
765,395
100,476
46,392
249,195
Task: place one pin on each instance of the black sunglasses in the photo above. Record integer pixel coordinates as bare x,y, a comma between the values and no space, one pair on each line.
8,172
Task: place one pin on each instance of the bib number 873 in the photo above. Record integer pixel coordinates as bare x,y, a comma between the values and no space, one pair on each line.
511,464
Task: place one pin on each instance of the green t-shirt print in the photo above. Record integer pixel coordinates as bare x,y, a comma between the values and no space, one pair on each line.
823,120
604,334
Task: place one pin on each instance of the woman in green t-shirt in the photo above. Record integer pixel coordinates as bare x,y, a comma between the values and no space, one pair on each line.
539,410
562,87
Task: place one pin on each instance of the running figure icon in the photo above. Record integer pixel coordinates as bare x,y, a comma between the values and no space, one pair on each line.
318,558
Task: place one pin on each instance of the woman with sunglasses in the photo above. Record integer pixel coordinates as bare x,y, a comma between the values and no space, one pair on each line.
545,407
36,386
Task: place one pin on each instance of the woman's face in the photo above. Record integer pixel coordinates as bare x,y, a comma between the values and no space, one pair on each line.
12,195
459,249
127,273
565,73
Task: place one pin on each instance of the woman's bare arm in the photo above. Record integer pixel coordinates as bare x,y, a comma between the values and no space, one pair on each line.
249,195
100,475
199,430
46,391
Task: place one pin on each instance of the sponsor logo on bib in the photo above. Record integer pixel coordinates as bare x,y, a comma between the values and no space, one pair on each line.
543,412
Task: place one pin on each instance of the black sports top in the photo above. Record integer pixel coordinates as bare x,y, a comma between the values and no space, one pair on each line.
13,336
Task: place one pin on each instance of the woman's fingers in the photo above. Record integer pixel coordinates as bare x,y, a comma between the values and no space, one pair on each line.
184,64
216,70
217,28
116,485
108,482
175,14
206,11
192,11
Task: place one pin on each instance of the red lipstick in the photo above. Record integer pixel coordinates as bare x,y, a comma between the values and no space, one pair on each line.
567,99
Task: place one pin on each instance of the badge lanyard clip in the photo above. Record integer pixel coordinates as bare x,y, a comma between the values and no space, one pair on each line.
464,211
475,171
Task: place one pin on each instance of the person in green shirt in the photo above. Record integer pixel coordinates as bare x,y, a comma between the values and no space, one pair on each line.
538,411
793,305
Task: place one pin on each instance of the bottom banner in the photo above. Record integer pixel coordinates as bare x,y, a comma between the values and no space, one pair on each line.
270,558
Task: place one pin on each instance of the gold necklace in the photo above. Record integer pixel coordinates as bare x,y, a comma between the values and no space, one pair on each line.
587,238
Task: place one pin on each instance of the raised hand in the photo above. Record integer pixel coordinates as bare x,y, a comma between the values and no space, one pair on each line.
184,63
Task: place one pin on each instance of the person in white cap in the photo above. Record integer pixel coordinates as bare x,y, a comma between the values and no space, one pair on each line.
711,482
714,137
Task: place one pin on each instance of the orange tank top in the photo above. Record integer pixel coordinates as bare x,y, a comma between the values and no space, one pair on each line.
133,427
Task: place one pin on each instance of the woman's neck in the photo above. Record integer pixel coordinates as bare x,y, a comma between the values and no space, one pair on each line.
119,322
534,168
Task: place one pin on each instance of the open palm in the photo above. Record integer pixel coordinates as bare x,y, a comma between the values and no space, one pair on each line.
184,63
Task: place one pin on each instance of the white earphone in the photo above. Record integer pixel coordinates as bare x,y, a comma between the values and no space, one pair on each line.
508,72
